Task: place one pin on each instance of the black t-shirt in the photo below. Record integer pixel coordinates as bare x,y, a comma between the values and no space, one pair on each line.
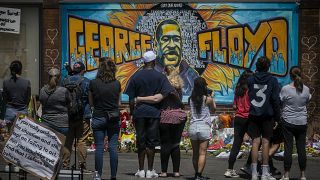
105,97
148,82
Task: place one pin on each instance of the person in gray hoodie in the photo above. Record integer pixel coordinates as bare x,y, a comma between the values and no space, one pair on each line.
55,101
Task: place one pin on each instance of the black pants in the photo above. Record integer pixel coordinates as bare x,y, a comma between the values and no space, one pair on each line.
240,128
299,133
147,132
170,137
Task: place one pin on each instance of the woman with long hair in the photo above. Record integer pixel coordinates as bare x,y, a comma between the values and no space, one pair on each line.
201,106
16,93
241,104
104,97
172,121
295,97
55,101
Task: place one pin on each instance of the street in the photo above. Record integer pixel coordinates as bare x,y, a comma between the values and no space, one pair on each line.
214,169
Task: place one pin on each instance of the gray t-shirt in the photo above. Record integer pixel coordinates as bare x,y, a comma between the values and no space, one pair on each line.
294,105
55,105
17,94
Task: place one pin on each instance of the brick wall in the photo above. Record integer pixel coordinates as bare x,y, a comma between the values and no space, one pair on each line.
309,56
51,43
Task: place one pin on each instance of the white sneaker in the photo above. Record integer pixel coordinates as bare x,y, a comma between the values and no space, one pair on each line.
151,174
231,173
140,174
284,178
16,169
6,168
254,177
303,178
267,177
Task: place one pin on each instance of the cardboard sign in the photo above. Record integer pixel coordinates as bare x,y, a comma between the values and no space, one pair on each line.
10,20
34,148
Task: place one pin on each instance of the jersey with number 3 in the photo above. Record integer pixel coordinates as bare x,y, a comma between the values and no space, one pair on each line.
264,95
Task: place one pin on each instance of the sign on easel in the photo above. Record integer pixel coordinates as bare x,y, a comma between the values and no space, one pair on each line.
34,148
10,20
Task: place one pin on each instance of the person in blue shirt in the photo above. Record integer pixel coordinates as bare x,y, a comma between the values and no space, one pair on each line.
264,107
79,127
146,116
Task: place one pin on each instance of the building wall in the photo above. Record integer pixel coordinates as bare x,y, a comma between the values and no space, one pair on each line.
309,57
309,52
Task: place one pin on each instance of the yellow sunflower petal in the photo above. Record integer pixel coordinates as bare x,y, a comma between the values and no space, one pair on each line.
124,19
205,14
226,19
124,72
126,6
193,5
212,24
114,20
144,6
225,9
215,77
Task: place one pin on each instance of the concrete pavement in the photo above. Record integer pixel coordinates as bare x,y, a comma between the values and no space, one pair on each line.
214,169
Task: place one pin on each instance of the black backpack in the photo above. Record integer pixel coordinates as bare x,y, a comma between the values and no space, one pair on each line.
76,108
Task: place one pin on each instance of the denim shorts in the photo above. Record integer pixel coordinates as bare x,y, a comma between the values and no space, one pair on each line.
200,131
11,113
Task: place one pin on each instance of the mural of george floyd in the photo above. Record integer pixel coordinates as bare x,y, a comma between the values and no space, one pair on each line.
216,41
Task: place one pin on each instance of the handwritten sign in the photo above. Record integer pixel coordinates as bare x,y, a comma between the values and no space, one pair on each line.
10,20
34,148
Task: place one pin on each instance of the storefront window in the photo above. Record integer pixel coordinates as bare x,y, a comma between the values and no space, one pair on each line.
23,46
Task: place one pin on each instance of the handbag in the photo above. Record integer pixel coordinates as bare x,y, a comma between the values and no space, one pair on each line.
173,116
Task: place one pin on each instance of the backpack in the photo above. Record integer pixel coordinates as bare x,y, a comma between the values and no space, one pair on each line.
76,108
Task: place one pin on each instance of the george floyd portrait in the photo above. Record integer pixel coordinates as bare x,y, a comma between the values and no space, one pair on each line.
168,46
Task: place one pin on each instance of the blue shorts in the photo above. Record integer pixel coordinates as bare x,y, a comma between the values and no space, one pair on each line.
200,131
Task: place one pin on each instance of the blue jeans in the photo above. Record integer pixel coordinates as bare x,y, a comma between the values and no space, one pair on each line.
102,127
62,130
12,112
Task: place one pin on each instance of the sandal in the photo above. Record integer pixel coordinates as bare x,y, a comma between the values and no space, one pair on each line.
163,175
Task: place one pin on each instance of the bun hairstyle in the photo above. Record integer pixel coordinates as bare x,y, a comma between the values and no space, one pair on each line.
15,68
295,74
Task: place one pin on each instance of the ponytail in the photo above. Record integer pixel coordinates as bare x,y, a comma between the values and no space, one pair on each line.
297,82
15,68
53,82
295,74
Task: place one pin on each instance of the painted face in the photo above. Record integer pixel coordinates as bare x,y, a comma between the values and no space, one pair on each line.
170,44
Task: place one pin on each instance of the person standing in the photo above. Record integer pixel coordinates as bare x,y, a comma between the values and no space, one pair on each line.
79,115
104,97
16,96
264,107
16,93
201,106
172,121
295,97
146,116
241,104
55,102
